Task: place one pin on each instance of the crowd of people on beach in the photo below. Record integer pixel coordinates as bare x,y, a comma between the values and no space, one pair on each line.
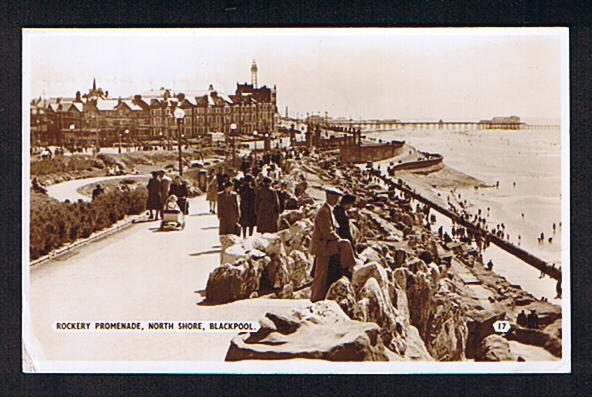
471,228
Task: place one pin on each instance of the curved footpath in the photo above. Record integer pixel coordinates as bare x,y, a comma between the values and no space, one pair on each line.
68,190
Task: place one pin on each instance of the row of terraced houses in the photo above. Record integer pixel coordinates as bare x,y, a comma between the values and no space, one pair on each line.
94,118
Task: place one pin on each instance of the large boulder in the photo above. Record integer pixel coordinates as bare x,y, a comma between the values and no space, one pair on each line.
231,254
297,236
419,292
376,306
275,273
342,292
299,268
228,240
234,282
446,334
319,331
494,348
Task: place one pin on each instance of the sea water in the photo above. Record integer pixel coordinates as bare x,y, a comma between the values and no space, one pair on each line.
530,158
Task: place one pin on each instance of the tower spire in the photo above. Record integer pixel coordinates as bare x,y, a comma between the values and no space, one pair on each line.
94,84
254,74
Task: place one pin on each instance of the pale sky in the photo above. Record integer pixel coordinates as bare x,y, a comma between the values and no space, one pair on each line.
382,73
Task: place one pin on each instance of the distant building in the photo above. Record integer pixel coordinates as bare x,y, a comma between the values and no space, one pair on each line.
94,118
511,122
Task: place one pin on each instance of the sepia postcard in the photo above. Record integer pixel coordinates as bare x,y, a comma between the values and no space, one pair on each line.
296,200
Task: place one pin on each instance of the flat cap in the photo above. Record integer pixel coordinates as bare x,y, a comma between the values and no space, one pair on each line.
333,190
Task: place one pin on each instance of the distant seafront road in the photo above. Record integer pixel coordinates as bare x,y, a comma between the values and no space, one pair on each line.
139,274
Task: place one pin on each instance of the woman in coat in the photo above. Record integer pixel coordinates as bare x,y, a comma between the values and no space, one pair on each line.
228,211
154,203
248,217
267,208
181,192
212,192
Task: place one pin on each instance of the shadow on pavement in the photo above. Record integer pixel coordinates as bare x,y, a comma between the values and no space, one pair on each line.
201,253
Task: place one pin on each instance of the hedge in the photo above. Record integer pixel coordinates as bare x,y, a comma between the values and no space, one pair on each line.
54,224
62,164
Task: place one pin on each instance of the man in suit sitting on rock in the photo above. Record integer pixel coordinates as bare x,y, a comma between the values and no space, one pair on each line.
325,243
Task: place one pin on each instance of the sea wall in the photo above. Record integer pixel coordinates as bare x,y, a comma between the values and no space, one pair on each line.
431,160
518,252
370,152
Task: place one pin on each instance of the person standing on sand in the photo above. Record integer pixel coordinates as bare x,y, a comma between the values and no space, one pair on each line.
558,289
325,242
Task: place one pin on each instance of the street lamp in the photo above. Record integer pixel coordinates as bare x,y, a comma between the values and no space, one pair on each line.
233,135
255,133
72,135
126,139
179,115
266,143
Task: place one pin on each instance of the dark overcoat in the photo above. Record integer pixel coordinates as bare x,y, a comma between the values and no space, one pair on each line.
248,217
154,195
267,208
228,213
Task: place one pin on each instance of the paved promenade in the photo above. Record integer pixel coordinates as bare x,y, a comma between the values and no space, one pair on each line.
139,274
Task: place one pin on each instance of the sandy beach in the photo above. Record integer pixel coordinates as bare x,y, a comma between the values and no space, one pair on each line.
530,158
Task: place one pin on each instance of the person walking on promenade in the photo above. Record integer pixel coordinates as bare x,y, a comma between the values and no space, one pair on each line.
154,202
165,185
212,191
248,217
342,219
267,207
228,212
180,190
325,243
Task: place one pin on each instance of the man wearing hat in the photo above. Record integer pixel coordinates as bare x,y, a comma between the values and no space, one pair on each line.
325,243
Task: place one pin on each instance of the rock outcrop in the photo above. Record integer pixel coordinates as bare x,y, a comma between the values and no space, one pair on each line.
494,348
319,331
234,282
408,286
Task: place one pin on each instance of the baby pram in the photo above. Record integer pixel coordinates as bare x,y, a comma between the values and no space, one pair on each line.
172,217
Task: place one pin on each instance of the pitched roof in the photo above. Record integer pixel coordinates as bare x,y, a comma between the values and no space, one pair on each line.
106,105
77,105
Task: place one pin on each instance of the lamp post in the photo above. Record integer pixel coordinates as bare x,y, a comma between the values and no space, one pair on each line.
179,115
255,133
266,143
233,136
72,126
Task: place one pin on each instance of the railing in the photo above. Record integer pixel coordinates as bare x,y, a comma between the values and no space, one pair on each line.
518,252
